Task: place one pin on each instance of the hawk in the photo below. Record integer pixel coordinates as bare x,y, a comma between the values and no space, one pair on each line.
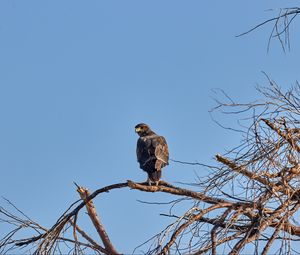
152,152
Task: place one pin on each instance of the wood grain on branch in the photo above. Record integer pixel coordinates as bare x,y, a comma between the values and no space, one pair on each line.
109,248
167,188
242,170
87,237
286,136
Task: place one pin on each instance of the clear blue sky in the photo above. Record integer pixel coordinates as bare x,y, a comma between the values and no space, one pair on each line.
77,76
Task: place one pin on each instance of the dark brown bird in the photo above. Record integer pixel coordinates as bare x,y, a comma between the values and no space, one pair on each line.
152,152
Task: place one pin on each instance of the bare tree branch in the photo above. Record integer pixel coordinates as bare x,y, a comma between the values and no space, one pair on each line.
281,26
84,193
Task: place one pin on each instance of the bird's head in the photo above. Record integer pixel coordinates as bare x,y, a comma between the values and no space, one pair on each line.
143,129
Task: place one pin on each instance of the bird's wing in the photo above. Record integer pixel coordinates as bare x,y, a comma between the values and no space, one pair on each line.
161,149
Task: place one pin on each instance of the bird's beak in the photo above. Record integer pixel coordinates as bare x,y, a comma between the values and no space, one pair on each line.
138,129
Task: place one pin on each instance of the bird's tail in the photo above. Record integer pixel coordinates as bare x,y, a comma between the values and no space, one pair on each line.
155,176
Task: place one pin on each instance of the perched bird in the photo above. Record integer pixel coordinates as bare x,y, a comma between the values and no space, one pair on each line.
152,152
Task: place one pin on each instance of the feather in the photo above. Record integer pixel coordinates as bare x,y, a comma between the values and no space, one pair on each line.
152,152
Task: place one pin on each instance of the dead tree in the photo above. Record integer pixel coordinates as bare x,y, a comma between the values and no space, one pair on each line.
248,202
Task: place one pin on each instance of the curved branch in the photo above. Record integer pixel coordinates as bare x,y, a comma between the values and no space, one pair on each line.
189,222
167,188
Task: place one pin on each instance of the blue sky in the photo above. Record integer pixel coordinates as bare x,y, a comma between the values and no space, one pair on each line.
76,77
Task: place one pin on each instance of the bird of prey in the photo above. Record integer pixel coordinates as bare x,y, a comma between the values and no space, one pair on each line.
152,152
